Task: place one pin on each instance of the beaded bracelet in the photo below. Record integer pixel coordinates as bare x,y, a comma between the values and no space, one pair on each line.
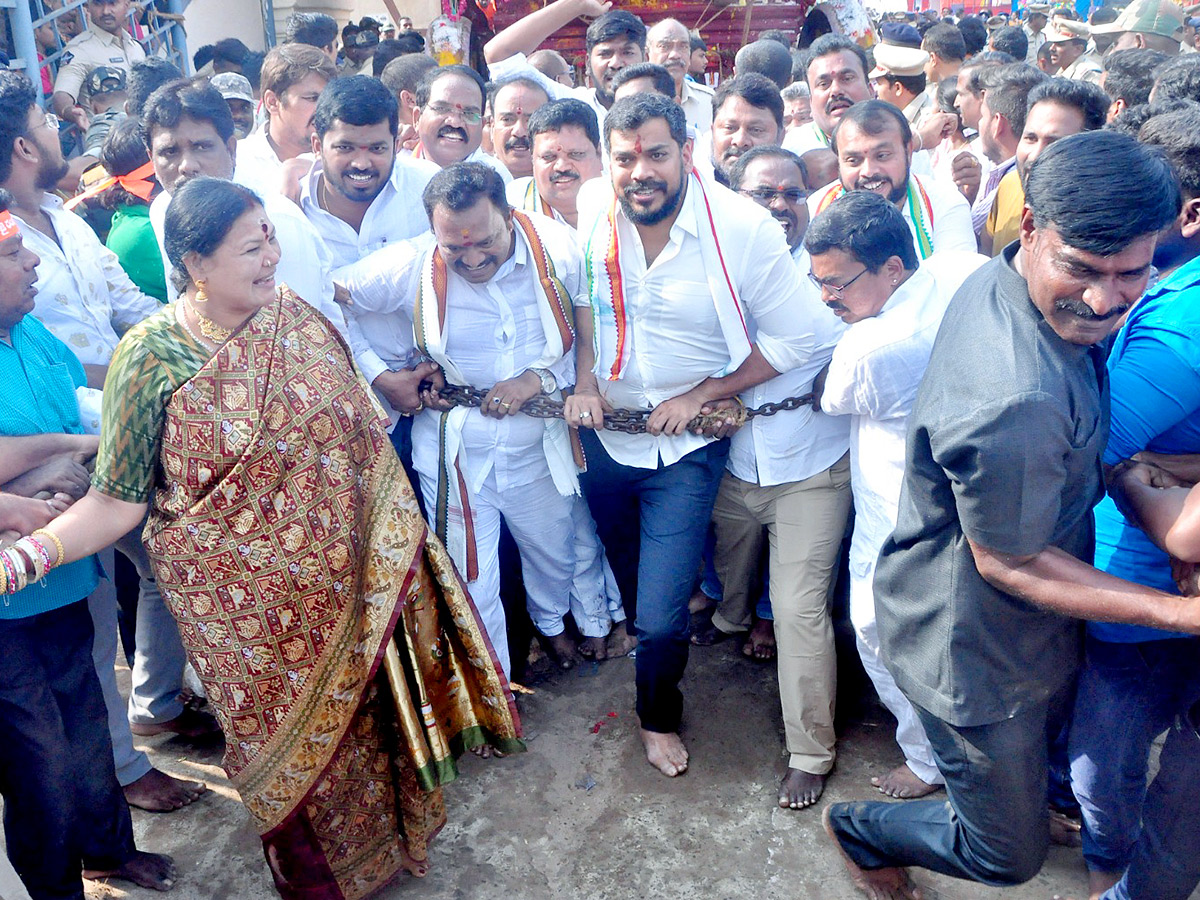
58,546
3,581
38,555
24,560
15,568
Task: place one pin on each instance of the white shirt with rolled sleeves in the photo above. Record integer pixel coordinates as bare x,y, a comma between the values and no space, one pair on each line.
396,214
952,229
675,339
793,445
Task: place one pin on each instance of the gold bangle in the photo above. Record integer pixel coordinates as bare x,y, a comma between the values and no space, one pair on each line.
58,547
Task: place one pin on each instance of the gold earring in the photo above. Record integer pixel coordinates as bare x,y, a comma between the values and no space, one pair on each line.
201,294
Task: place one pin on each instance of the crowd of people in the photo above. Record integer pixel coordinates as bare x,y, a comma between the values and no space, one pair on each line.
369,368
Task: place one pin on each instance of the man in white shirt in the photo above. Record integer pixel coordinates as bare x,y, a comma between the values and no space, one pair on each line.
511,105
85,299
669,332
837,79
788,474
450,107
566,153
293,76
614,40
893,313
490,296
669,45
748,112
874,147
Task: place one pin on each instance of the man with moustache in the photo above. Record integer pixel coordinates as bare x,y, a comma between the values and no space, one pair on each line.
788,476
566,153
747,113
672,330
669,45
450,105
874,148
615,39
837,79
981,587
512,103
105,43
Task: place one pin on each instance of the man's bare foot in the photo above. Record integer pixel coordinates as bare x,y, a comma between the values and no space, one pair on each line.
191,723
877,884
665,751
594,648
1064,830
700,601
562,650
1099,882
760,644
158,792
800,789
620,641
903,784
155,871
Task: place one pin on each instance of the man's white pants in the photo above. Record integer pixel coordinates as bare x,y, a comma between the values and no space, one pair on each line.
540,519
910,734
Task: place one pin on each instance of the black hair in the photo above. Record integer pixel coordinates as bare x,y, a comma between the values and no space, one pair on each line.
557,114
123,152
831,43
695,42
1011,40
203,57
17,97
405,73
314,29
659,77
145,77
252,68
946,41
974,34
357,100
872,117
800,61
1130,121
230,50
738,170
778,35
766,57
433,75
1084,96
757,90
7,201
495,87
1129,74
348,31
201,213
1008,88
385,52
193,98
631,113
1178,79
864,225
1178,135
1075,184
945,95
914,84
616,23
461,185
410,42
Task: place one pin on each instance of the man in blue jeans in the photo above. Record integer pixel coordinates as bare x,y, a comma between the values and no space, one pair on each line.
694,298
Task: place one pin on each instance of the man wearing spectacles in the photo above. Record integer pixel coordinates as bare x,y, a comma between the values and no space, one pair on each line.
787,483
669,45
449,116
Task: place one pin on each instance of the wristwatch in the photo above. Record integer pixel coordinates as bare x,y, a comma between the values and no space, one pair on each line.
549,382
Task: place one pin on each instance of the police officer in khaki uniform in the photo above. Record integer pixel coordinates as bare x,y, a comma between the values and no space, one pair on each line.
105,43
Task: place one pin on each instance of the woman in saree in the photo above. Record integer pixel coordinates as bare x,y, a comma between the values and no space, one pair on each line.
342,656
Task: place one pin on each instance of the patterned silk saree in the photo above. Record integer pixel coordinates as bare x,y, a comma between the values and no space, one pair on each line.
341,653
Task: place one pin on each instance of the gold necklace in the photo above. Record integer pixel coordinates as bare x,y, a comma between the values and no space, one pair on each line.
181,318
218,334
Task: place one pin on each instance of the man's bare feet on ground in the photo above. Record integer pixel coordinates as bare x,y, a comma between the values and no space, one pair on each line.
155,871
594,648
903,784
191,723
620,641
158,792
760,644
1064,830
800,789
665,751
877,884
1099,882
562,650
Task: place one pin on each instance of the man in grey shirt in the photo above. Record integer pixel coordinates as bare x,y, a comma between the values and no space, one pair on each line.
981,588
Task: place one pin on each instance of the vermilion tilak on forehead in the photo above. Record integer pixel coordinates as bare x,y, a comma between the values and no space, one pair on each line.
637,145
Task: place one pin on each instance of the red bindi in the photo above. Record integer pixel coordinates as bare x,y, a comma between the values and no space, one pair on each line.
637,145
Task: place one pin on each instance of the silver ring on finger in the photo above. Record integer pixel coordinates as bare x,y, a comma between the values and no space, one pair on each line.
585,415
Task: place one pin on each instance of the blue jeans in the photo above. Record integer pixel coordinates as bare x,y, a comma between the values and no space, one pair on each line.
1128,695
1166,860
991,828
652,523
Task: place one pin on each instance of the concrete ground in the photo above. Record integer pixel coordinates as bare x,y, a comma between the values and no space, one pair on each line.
581,814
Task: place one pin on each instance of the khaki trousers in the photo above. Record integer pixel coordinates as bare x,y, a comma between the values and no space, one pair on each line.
804,523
